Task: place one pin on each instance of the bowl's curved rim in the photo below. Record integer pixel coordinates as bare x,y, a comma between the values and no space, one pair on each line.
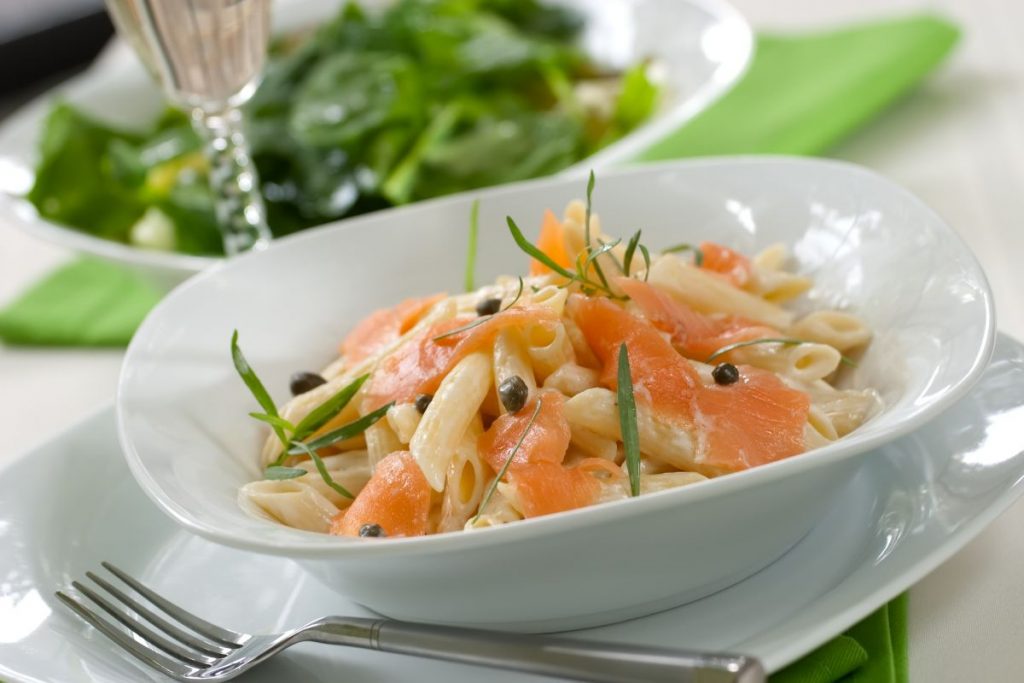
25,217
309,545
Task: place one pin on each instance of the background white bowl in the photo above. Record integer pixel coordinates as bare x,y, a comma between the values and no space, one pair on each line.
871,247
704,45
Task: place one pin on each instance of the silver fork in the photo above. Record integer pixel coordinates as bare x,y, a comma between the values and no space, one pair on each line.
188,648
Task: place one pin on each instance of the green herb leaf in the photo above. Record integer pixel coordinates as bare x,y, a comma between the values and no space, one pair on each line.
591,181
256,387
459,330
770,340
342,433
482,319
324,412
647,261
504,468
274,421
474,229
533,251
595,253
627,258
627,421
698,255
320,467
276,472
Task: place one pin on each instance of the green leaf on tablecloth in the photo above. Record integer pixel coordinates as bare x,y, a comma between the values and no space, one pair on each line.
85,303
804,93
830,662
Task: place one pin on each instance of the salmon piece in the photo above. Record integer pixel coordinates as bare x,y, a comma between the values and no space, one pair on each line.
552,243
543,484
547,440
545,487
384,327
397,497
731,264
694,334
754,421
418,366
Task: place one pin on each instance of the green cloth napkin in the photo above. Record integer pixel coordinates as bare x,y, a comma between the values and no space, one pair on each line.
85,303
873,651
802,94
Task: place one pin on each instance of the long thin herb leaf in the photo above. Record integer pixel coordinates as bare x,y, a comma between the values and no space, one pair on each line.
321,468
274,421
504,467
698,255
627,421
627,258
591,181
482,319
474,231
256,387
604,249
770,340
533,251
647,261
277,473
324,412
354,428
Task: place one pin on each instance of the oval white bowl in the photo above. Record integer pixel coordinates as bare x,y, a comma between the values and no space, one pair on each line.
704,45
870,246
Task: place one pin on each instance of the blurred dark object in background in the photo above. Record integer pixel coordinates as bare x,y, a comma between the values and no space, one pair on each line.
43,40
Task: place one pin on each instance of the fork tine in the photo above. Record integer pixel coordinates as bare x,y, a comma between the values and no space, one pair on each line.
140,631
161,624
220,635
144,653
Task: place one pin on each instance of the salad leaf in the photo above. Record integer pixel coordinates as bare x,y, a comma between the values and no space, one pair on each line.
366,111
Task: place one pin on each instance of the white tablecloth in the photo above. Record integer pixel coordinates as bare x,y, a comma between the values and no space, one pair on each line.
957,142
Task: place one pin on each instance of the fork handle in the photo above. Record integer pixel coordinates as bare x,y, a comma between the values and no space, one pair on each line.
542,655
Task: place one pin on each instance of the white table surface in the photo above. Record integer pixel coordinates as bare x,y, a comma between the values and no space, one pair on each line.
957,142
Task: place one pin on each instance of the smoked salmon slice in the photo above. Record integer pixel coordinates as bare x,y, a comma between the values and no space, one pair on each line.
397,497
754,421
543,484
552,243
731,264
418,366
381,328
694,334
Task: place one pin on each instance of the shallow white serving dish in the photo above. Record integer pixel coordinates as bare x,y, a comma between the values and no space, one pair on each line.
870,246
909,507
705,45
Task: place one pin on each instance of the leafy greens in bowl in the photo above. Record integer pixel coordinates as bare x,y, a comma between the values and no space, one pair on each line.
374,108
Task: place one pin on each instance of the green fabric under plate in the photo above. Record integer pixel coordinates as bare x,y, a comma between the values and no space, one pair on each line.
85,303
802,94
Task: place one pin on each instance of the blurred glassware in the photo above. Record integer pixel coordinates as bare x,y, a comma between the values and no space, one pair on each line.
208,56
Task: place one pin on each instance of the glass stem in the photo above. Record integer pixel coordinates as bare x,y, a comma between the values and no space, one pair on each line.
239,206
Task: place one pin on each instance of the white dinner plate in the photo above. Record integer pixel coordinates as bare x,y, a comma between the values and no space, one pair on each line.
913,503
704,46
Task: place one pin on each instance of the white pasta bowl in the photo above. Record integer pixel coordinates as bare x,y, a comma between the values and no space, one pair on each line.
704,47
871,247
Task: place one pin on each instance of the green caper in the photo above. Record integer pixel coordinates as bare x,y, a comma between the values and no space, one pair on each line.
301,382
372,531
422,401
488,307
725,373
513,393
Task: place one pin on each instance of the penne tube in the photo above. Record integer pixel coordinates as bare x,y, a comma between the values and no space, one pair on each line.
842,331
453,408
511,359
291,502
706,293
571,379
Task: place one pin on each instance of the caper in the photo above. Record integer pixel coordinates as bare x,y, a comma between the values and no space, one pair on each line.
302,382
422,401
488,307
513,393
372,531
725,373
